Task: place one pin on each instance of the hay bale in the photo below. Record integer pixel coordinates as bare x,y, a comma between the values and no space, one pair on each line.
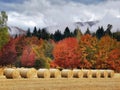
95,73
43,73
87,73
1,71
28,72
103,73
77,73
67,73
11,73
110,73
55,73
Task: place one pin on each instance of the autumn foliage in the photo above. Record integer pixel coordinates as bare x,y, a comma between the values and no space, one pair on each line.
72,52
8,53
28,57
68,55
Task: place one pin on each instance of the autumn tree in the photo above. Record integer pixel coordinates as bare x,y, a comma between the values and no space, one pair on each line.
87,45
113,60
68,55
8,53
105,45
28,57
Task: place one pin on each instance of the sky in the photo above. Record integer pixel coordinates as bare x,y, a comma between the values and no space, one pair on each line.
42,13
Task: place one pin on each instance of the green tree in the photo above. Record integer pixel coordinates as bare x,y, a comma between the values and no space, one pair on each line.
45,35
4,35
39,33
58,36
87,31
116,35
35,33
108,30
67,32
77,33
3,18
100,32
29,34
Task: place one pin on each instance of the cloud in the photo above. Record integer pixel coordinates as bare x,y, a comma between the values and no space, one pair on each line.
44,13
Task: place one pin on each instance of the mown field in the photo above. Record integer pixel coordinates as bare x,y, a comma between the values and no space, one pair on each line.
61,84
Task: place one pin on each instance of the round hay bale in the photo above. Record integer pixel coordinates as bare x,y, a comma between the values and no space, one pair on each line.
110,73
67,73
77,73
43,73
1,71
95,73
87,73
55,73
11,73
28,72
103,73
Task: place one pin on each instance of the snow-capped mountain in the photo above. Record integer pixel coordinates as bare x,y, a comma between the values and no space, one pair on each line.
82,25
13,31
92,25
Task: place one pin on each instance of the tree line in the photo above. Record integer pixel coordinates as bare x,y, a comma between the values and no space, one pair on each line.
57,36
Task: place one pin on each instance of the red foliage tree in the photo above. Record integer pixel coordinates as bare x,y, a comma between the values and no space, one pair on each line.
8,53
28,57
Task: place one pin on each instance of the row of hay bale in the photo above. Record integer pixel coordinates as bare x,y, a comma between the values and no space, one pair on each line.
56,73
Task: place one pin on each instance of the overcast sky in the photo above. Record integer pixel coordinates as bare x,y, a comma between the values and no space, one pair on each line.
42,13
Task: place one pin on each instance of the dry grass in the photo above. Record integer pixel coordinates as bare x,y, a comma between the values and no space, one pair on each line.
61,83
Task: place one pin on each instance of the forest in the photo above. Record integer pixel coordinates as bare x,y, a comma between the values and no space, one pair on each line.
41,49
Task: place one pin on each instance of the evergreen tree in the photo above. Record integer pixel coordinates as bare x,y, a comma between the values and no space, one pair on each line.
100,32
39,33
67,32
29,34
116,35
77,33
35,32
45,35
52,36
58,36
87,31
108,30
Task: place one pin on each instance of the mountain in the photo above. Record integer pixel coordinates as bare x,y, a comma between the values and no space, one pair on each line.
13,31
82,25
92,25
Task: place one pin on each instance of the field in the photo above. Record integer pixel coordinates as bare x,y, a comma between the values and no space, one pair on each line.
61,84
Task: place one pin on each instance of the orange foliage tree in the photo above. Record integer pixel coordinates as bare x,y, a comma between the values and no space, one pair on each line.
68,55
88,45
113,60
105,46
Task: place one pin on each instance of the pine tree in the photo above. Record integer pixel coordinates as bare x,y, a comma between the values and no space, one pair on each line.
58,36
35,32
77,33
29,34
108,30
87,31
45,35
67,32
39,33
100,32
